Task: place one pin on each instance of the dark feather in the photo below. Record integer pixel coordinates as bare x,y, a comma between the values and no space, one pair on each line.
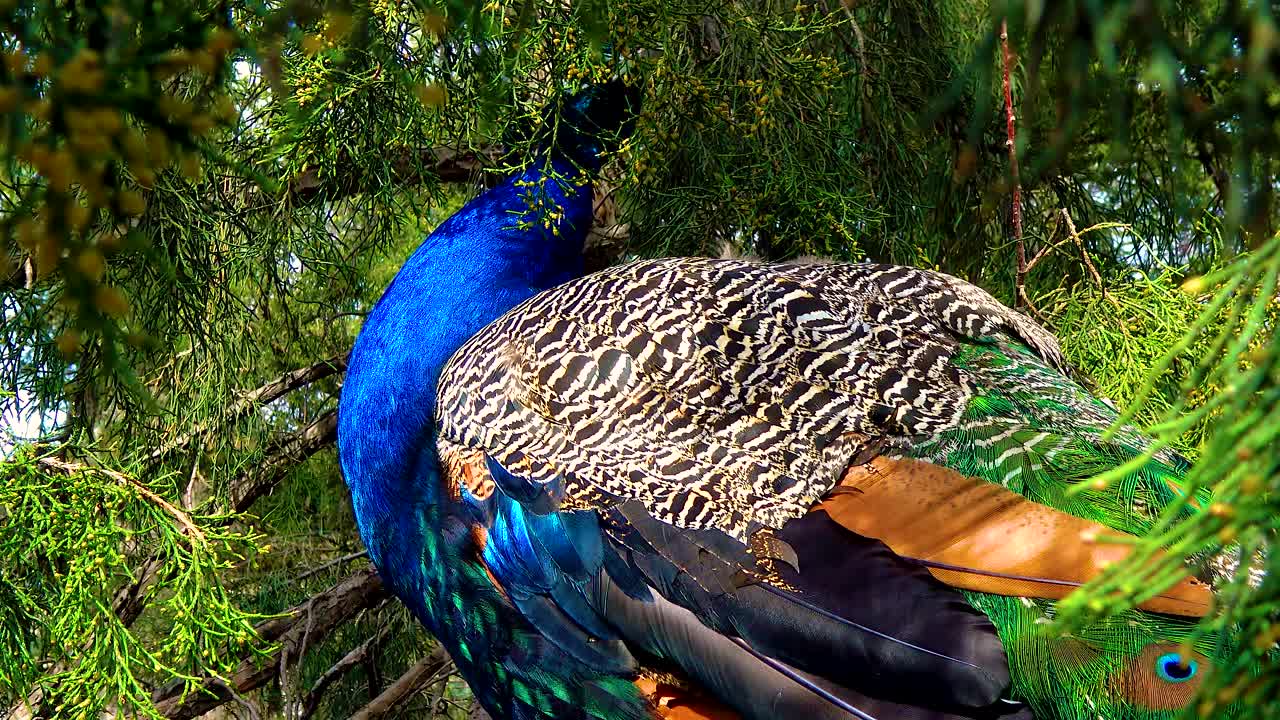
858,615
861,616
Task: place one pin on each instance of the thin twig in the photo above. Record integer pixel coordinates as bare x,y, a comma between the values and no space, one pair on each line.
271,391
1044,252
282,672
188,526
282,455
243,701
1075,236
857,34
400,690
1088,262
439,684
342,667
291,704
325,566
330,609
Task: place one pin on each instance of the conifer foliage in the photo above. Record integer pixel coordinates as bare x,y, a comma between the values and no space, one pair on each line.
200,200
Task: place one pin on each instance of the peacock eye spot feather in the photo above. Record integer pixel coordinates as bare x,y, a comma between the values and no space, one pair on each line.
1170,667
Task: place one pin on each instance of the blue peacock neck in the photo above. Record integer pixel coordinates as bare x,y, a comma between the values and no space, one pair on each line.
513,241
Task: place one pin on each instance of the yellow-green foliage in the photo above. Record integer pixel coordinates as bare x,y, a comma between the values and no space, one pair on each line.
73,533
1214,384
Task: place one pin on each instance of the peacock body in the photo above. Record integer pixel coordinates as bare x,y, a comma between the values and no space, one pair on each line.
686,467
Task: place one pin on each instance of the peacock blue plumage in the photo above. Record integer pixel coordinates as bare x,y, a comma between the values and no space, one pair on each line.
577,481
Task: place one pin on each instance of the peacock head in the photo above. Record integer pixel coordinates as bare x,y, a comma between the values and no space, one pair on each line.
586,125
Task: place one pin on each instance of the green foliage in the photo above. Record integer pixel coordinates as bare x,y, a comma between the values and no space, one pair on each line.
82,527
1122,332
1238,379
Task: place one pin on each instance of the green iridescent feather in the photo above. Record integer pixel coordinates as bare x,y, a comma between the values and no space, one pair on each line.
1034,430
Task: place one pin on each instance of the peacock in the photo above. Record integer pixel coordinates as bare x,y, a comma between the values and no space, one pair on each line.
794,490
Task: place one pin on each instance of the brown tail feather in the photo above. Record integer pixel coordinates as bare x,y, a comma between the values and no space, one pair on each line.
976,535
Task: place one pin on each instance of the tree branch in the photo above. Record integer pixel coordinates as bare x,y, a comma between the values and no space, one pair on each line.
22,276
340,668
281,457
314,619
270,392
405,686
130,600
409,168
326,565
188,526
1011,144
1088,262
1209,161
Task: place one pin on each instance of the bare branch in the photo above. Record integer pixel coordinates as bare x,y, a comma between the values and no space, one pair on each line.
22,276
327,611
130,600
410,682
340,668
1044,252
1011,144
411,168
1088,262
271,391
325,566
283,455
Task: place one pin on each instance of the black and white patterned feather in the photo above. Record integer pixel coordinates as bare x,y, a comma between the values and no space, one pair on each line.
720,394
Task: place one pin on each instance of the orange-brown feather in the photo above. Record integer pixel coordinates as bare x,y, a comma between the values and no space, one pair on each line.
992,539
673,702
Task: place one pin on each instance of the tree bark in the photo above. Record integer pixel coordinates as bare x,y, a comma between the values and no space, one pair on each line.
269,392
357,656
410,168
404,687
281,458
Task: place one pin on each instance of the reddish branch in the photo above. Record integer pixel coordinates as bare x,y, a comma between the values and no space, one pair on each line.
1011,144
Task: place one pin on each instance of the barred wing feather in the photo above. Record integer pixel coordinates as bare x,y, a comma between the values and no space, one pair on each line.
721,394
